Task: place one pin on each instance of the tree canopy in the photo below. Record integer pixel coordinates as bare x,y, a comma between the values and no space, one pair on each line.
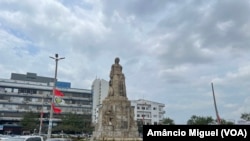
245,116
73,123
30,121
200,120
167,121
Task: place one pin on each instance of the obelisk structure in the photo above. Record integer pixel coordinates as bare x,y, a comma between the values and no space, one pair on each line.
116,116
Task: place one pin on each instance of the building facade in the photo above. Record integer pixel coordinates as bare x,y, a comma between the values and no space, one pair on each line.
149,112
100,91
28,92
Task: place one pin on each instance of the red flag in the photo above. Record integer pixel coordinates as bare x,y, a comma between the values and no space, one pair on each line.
56,109
58,93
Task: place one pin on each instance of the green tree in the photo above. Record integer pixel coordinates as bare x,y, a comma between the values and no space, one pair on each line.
140,126
245,116
30,121
168,121
199,120
74,123
224,122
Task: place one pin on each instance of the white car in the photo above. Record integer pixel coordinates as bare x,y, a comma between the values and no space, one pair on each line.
58,139
24,138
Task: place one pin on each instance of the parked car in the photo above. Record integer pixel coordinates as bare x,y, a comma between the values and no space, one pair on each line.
23,138
4,137
59,139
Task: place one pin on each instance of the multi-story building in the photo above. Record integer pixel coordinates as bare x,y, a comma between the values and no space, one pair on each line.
100,91
148,112
28,92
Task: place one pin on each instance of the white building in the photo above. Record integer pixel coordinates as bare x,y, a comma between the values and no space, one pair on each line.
29,92
148,112
100,91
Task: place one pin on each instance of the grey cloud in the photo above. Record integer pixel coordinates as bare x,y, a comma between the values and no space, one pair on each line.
203,20
134,7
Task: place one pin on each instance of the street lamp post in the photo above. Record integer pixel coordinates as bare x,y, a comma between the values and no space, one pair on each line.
56,58
41,118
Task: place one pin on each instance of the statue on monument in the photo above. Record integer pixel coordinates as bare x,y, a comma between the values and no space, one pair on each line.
117,79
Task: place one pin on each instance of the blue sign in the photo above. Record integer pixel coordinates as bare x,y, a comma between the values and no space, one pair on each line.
60,84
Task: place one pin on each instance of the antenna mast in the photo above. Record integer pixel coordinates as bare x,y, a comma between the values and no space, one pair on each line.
215,106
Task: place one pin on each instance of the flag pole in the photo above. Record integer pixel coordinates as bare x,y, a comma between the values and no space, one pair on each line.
53,96
215,106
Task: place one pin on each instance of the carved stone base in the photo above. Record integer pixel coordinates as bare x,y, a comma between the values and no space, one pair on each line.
116,120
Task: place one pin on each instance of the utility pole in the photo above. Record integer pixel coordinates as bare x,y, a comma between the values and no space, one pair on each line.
41,118
215,106
56,58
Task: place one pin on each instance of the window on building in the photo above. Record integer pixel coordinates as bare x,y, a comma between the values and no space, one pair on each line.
138,107
154,108
143,108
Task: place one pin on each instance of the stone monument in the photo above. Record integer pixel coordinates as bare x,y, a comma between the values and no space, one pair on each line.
116,116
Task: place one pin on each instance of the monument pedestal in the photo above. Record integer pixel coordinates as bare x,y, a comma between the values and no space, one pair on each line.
116,121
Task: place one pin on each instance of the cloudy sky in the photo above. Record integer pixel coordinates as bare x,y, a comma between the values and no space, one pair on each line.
171,50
